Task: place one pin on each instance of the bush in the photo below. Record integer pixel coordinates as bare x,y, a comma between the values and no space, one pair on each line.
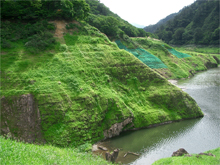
40,41
5,44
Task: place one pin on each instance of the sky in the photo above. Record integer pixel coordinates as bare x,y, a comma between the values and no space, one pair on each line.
145,12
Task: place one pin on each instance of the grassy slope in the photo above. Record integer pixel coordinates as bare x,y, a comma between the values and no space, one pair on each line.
88,85
178,67
12,152
195,159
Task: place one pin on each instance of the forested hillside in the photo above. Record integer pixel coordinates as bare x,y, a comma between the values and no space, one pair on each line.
195,24
153,28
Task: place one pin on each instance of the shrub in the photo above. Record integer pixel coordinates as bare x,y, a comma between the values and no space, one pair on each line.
5,44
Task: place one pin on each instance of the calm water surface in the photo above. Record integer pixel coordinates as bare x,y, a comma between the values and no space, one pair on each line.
195,135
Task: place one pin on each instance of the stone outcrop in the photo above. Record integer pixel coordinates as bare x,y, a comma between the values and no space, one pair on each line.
116,128
20,118
180,152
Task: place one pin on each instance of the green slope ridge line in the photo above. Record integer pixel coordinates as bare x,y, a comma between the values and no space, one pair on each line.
147,58
178,54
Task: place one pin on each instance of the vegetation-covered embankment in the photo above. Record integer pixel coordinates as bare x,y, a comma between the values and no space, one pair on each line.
83,88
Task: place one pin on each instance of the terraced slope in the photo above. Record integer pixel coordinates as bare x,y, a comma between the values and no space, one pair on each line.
86,91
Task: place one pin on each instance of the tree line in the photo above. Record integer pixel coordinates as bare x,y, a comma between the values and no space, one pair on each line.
44,9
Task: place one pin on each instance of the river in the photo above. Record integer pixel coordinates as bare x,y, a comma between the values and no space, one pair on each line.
194,135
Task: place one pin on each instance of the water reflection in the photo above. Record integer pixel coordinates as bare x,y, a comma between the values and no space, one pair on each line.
147,141
196,135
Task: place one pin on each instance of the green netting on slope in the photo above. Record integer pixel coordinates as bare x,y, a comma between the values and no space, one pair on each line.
178,54
147,58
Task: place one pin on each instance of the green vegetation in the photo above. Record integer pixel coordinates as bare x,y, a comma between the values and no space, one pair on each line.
178,67
31,10
12,152
83,86
199,49
89,84
178,54
194,24
147,58
194,159
35,37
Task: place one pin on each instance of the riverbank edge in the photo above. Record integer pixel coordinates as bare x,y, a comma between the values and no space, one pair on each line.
207,157
199,71
95,146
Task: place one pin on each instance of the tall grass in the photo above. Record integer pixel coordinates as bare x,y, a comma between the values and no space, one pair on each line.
12,152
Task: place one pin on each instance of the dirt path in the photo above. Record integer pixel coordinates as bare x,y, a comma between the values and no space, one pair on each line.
60,29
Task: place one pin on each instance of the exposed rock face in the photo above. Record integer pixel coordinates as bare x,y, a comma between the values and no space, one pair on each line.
180,152
20,118
116,128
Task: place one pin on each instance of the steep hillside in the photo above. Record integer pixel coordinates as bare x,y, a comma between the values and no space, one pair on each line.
153,28
86,90
195,24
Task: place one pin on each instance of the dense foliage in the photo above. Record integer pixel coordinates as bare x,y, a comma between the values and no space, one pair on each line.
195,24
34,36
22,21
46,9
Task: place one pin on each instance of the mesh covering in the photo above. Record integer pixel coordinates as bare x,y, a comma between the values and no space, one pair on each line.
147,58
178,54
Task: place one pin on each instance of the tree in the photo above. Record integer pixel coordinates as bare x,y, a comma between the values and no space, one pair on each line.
178,34
110,27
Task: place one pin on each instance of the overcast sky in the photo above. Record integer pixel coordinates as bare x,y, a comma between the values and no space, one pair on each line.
145,12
